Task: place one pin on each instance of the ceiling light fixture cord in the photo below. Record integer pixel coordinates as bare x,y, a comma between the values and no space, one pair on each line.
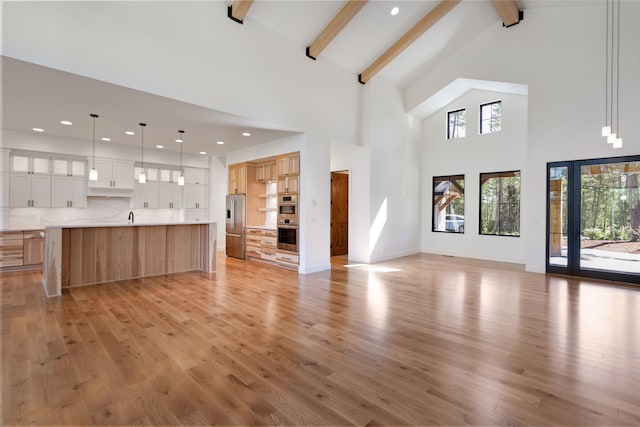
618,72
606,67
94,116
611,62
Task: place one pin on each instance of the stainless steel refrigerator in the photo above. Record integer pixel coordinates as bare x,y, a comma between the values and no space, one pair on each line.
235,243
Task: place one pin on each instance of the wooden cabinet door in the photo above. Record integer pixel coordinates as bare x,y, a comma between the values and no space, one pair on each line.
40,191
33,248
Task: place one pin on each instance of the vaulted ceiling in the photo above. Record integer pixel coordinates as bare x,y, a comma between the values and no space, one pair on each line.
367,39
360,36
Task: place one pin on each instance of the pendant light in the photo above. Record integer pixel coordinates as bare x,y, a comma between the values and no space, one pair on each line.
612,65
181,177
142,178
93,173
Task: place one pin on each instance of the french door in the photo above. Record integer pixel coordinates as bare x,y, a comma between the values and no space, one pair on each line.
593,218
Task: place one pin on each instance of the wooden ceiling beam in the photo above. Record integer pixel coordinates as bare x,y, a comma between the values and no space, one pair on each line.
337,24
409,37
238,10
508,11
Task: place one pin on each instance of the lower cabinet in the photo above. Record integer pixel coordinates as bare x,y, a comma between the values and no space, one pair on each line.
287,259
262,243
18,248
253,242
269,244
33,248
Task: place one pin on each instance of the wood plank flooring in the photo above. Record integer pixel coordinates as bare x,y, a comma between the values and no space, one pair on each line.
421,340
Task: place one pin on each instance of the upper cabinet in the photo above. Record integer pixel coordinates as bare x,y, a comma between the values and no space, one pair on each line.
30,191
195,176
238,178
112,175
30,182
288,171
31,164
266,172
68,167
289,164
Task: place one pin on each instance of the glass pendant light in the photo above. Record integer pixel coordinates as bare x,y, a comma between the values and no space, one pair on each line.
93,173
181,177
142,178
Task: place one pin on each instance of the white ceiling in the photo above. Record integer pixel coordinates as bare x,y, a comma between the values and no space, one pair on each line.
36,96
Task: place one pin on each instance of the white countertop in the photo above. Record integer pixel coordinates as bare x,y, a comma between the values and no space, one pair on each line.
124,224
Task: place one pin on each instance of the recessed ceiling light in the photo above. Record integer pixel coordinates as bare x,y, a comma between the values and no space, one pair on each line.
159,146
179,140
129,133
246,134
38,130
395,11
66,122
203,152
104,138
220,142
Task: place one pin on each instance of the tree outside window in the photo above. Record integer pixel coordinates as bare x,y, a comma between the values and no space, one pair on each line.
491,117
456,124
448,203
500,203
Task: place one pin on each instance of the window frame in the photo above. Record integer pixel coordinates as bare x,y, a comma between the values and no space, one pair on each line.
456,126
500,174
439,179
499,101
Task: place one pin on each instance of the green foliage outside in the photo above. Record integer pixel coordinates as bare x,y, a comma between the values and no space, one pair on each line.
500,206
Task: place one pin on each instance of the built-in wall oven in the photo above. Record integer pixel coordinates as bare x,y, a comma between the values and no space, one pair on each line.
288,237
288,207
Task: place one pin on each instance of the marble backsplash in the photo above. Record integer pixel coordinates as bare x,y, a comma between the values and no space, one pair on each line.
99,210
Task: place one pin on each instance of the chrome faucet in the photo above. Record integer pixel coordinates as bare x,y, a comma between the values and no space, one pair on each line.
130,217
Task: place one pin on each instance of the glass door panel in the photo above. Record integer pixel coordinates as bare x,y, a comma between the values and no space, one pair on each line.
593,218
558,210
610,217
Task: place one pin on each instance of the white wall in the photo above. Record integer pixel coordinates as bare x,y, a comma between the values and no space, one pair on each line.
357,160
392,138
559,53
474,154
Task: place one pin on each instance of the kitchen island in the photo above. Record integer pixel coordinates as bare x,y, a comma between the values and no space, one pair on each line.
76,255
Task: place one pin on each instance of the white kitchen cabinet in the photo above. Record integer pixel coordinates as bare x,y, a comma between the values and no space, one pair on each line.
31,164
168,175
113,174
195,176
68,192
195,196
169,195
145,195
68,167
30,191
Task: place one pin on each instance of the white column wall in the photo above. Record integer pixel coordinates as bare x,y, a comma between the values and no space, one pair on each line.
559,52
392,137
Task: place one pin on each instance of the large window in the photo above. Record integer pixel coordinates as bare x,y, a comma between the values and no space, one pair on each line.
500,203
448,203
491,117
456,124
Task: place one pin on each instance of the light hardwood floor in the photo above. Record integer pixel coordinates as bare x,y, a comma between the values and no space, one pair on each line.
420,340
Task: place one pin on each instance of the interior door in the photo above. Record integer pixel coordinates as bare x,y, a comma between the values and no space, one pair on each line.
593,220
339,213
